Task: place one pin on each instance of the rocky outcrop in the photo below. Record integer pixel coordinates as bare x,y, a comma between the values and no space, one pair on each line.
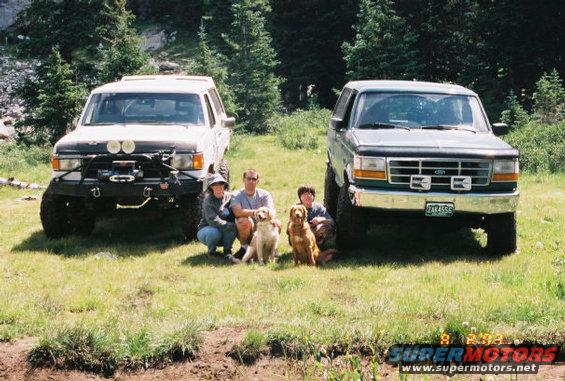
9,9
13,73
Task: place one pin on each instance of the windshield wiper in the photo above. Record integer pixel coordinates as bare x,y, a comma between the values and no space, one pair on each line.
447,127
103,123
378,125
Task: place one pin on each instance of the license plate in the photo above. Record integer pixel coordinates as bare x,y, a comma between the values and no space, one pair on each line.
439,209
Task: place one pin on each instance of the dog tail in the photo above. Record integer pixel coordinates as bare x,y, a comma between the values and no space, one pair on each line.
326,255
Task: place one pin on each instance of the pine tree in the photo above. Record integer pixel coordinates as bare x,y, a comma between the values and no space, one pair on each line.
76,27
382,48
121,55
549,98
252,62
514,115
51,101
211,63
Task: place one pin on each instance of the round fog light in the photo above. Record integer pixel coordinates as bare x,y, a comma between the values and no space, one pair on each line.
113,146
128,146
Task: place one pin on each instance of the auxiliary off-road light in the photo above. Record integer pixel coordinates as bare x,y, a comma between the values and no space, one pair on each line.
62,164
188,161
113,146
128,146
367,167
505,170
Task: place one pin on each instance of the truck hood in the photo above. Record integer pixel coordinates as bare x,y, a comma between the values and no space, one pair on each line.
147,138
400,142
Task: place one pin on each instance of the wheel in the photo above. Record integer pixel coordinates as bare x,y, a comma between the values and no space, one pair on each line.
501,233
331,191
351,229
54,216
224,170
190,214
81,217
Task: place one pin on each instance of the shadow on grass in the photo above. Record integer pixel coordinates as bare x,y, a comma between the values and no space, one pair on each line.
123,235
205,260
408,244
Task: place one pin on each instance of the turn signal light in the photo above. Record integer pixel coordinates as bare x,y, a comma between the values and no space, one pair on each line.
55,163
198,160
505,177
360,174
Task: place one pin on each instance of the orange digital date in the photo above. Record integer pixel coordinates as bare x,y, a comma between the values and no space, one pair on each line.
475,339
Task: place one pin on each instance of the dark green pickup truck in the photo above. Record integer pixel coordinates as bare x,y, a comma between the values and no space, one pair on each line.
400,150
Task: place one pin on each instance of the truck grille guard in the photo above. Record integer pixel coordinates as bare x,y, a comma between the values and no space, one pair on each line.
158,160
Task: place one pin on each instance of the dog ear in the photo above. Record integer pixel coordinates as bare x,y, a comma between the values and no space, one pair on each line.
304,210
255,216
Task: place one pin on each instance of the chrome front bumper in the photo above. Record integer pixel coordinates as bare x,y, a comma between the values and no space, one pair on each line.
390,200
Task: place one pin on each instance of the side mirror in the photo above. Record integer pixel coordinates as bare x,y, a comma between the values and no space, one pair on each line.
228,122
500,129
336,123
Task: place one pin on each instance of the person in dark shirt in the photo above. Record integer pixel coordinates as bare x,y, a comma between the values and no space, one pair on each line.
321,222
215,227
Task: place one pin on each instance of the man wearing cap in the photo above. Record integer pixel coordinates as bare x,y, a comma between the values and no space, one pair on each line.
215,228
245,203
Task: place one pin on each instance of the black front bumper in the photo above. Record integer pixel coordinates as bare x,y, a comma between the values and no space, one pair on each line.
144,188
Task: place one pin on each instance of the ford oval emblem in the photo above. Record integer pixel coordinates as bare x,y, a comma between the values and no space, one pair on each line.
439,172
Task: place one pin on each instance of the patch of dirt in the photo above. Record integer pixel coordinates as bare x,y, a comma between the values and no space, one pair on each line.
211,363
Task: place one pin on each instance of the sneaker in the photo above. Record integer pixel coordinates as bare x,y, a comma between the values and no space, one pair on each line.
240,253
212,253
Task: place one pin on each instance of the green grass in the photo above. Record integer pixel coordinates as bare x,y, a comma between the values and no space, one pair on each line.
409,283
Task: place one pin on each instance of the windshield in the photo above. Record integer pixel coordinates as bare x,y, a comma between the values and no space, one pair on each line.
434,111
144,108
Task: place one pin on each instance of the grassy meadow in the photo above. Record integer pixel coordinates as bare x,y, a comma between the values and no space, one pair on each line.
407,284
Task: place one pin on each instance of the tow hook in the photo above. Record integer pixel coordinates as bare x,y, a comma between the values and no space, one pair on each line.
95,192
147,192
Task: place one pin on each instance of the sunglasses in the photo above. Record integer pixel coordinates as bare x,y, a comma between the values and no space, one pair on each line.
252,178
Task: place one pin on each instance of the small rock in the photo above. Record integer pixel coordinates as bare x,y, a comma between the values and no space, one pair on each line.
538,245
3,181
168,66
35,186
15,183
106,255
24,185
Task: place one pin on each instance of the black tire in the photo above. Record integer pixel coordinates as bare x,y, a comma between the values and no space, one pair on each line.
190,214
81,217
351,230
331,191
54,215
501,233
224,170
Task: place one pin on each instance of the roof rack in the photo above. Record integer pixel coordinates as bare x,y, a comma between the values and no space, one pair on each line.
194,78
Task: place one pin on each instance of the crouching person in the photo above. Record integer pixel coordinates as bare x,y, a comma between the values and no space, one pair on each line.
217,228
321,222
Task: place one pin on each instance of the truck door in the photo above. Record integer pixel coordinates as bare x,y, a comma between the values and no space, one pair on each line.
214,125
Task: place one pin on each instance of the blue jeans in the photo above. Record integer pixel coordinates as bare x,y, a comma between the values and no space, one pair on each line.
213,237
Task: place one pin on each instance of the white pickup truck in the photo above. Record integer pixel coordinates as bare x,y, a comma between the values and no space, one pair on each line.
143,142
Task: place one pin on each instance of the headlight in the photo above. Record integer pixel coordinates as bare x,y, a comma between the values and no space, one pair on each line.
366,167
505,170
62,164
188,160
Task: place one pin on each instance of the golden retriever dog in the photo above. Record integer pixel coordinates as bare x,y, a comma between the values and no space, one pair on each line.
265,239
303,242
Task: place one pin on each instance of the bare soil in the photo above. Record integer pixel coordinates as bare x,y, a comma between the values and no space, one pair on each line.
211,363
